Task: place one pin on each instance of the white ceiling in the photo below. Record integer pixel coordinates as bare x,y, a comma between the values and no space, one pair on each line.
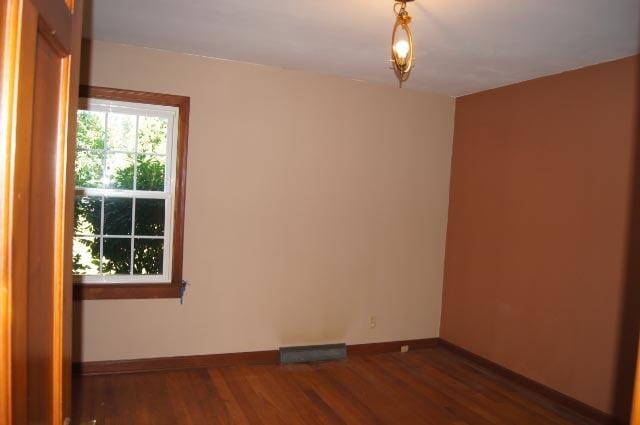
462,46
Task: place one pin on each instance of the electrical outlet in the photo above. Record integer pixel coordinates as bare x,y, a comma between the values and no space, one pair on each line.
404,348
372,322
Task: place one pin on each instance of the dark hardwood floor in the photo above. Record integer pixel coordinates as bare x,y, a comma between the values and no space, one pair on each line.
433,386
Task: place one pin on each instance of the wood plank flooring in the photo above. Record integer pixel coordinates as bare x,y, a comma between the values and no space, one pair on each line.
433,387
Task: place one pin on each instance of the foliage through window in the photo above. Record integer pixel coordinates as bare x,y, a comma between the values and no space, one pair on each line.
125,187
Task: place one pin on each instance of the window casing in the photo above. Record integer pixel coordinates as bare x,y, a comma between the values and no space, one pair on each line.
130,184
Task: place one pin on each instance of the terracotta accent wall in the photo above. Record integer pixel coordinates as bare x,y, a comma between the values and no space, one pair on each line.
538,223
312,205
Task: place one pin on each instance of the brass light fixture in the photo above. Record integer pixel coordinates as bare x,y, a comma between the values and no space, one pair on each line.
402,42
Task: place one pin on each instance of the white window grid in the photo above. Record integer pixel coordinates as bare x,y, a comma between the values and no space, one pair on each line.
168,194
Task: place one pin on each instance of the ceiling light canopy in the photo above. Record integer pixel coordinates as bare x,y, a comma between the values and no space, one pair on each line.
402,42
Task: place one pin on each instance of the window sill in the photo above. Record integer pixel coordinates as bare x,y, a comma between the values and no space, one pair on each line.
121,291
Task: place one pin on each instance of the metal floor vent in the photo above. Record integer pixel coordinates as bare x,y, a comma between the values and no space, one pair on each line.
312,353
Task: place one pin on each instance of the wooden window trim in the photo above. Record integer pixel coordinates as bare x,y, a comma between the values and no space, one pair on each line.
174,288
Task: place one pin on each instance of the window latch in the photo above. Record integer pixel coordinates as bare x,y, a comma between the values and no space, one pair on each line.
183,290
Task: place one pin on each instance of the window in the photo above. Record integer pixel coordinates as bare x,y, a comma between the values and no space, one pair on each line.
129,201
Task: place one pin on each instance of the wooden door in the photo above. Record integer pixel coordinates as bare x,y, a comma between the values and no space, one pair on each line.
38,96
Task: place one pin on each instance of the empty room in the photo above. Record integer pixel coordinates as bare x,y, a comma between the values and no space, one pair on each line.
319,212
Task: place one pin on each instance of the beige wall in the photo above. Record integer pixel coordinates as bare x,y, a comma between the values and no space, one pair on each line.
313,203
538,266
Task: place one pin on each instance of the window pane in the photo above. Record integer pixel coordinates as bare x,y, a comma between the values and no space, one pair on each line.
90,132
122,132
117,216
150,217
119,171
148,256
87,215
116,256
89,169
152,135
118,232
150,174
86,256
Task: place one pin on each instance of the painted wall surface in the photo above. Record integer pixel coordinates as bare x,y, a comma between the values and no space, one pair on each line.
538,224
312,204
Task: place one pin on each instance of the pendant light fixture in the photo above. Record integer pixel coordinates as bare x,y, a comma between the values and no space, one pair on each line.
402,42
